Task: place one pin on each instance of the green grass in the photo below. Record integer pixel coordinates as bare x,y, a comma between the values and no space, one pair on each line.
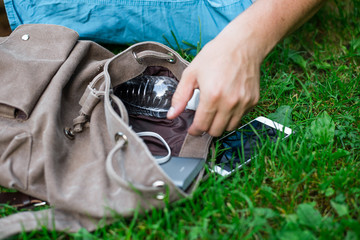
305,188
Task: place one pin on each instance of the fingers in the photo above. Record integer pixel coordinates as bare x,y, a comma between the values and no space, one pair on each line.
246,103
236,119
203,119
215,118
182,95
217,114
212,115
234,122
219,124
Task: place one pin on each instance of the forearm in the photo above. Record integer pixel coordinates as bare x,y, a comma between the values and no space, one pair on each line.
266,22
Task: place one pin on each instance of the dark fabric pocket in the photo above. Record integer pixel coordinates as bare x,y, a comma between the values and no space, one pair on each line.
173,131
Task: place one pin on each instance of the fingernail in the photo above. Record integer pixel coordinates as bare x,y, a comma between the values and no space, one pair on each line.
171,112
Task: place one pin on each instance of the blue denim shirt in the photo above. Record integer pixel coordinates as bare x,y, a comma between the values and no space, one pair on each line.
130,21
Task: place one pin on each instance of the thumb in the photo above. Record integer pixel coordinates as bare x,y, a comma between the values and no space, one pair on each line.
182,95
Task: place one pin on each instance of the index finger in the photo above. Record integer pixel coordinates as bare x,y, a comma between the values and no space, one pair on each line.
182,95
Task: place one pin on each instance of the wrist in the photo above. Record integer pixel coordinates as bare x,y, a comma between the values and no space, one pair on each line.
242,40
255,30
266,22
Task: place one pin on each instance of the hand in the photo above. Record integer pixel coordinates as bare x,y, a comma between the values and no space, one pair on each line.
227,69
227,72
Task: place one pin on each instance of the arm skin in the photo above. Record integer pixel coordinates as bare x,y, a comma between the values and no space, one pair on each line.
227,70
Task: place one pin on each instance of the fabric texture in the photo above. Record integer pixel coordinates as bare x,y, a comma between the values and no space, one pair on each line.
131,21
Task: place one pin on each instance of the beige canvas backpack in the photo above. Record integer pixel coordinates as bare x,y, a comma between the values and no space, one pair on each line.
65,135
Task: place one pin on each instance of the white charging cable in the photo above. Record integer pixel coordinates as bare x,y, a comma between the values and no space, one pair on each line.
155,135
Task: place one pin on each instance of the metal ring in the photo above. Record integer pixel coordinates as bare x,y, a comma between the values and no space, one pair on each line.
172,59
158,184
160,196
136,57
120,135
69,133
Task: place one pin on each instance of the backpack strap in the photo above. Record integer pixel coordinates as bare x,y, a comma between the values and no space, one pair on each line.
49,218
